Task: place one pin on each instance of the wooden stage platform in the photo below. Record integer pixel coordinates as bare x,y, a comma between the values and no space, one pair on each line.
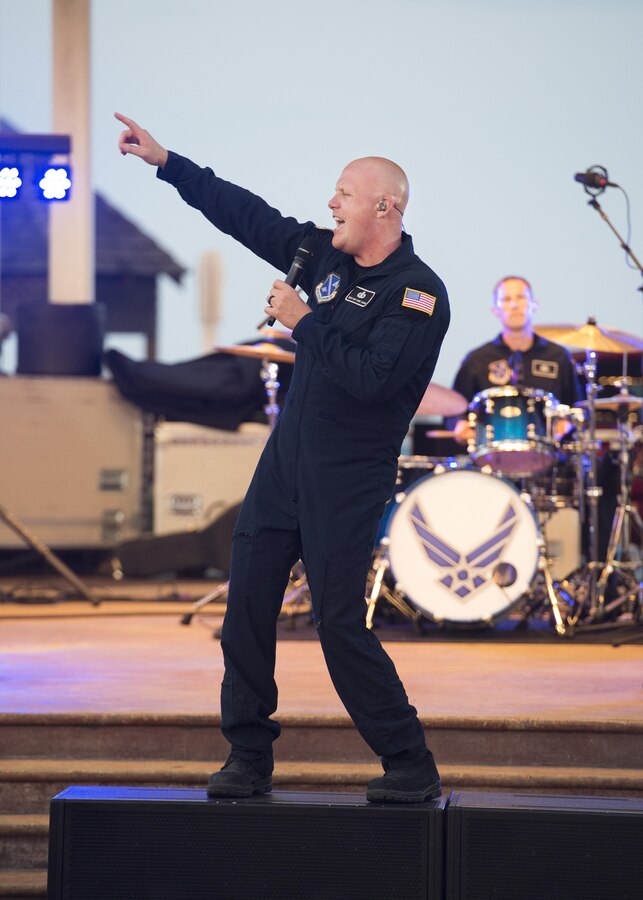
124,694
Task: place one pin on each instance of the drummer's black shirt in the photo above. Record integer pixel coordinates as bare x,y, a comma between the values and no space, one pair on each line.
546,366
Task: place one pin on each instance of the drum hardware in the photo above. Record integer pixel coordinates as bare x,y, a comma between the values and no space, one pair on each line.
591,336
271,355
452,567
626,515
588,587
544,570
512,431
377,587
545,591
297,600
439,433
587,592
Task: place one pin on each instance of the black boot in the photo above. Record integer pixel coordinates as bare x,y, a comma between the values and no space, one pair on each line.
241,778
406,783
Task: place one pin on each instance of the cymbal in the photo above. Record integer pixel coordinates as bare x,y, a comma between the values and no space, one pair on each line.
617,402
591,337
262,350
441,401
277,334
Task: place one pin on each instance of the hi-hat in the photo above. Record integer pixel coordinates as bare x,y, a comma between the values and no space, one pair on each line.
441,401
618,401
591,337
262,350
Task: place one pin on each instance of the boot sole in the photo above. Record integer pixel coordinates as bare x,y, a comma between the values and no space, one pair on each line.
382,795
238,791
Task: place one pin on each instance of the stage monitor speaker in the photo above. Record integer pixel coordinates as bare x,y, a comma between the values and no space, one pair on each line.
60,338
135,843
525,847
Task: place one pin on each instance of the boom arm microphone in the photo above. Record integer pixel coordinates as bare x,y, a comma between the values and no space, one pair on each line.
302,258
594,179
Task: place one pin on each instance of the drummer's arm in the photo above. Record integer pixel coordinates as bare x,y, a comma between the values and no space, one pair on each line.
464,383
463,432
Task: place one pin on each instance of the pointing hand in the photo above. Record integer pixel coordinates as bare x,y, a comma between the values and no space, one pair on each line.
137,141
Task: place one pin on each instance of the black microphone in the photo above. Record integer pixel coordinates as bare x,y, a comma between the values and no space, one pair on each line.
302,258
593,180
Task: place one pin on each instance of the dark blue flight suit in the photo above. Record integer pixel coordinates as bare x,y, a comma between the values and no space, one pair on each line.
363,363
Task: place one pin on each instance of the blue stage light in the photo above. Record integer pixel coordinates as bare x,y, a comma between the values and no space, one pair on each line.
55,183
10,182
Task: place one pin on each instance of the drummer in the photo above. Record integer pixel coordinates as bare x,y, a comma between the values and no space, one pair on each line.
517,356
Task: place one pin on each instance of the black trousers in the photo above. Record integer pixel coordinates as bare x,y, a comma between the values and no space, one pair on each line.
333,531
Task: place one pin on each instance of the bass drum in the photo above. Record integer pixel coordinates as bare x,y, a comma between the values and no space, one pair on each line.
463,547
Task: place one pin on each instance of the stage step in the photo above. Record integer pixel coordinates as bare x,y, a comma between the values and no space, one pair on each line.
469,740
27,785
44,754
19,884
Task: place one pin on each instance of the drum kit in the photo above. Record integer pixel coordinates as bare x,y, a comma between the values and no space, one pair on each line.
467,541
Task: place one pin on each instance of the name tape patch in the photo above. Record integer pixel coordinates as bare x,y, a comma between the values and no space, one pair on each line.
544,368
360,296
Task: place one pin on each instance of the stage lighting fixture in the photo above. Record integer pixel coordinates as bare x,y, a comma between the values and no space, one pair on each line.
10,182
55,183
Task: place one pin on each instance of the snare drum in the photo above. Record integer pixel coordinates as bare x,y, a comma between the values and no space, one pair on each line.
463,547
513,430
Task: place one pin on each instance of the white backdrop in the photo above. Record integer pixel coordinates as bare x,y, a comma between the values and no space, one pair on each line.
489,106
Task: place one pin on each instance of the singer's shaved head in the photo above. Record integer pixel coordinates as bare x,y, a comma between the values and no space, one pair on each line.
388,179
369,202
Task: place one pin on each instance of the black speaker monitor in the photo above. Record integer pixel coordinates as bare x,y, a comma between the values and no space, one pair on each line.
527,847
136,843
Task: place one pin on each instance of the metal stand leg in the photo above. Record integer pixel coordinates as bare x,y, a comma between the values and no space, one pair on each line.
552,596
209,598
30,538
297,601
379,588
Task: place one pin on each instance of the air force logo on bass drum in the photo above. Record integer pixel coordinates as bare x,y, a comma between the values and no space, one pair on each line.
465,572
462,546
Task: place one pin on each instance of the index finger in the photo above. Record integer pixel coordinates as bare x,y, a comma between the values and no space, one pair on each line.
129,122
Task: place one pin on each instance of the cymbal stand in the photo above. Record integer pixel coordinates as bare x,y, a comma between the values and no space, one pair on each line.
269,373
585,591
620,542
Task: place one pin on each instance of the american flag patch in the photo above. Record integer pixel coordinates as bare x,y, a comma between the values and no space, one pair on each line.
419,300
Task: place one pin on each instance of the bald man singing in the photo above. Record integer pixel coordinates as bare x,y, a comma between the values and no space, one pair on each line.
367,343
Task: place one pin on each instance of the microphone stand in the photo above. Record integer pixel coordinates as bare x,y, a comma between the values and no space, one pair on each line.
599,209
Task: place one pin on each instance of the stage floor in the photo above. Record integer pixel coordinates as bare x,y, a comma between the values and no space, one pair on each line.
128,657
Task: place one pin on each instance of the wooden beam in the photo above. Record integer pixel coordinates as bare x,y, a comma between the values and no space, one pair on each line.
71,242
